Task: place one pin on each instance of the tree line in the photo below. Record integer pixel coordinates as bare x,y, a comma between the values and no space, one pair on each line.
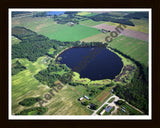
135,92
33,111
17,67
53,73
29,101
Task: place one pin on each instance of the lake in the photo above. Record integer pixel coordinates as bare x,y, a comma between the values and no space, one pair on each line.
105,65
55,13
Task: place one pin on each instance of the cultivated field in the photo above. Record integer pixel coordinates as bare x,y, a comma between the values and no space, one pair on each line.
135,48
24,85
133,42
140,25
63,32
91,22
96,38
126,32
86,13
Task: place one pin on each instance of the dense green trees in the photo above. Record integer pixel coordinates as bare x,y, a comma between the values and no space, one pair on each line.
53,73
39,14
17,13
29,101
120,19
33,111
33,45
137,15
135,92
111,18
17,67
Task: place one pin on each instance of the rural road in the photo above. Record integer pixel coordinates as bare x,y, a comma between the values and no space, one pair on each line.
112,104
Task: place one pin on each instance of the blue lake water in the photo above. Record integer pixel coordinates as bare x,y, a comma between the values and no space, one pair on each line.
105,65
55,12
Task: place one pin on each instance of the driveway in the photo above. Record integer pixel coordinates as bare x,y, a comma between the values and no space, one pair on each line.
110,104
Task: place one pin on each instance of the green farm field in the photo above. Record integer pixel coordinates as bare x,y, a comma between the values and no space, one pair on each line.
91,22
140,25
96,38
135,48
83,13
63,32
24,85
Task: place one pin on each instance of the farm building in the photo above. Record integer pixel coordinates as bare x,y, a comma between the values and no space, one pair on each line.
123,110
108,108
86,97
92,105
83,103
81,98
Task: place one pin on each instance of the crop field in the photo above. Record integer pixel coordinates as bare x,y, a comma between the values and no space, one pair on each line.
31,83
126,31
83,13
24,85
140,25
98,37
135,48
51,29
74,33
91,22
103,96
65,102
92,14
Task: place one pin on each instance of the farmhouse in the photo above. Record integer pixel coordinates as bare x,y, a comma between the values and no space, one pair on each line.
86,97
123,110
81,98
108,108
92,105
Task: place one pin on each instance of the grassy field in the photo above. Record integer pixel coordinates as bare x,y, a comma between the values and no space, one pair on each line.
96,38
15,40
51,51
51,29
83,13
140,25
74,33
135,48
24,85
65,102
91,22
92,14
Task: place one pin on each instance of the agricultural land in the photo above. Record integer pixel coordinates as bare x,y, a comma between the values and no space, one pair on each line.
38,83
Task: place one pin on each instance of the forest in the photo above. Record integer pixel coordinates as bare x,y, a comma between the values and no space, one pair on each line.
53,73
135,92
122,20
32,45
108,17
17,67
29,101
33,111
137,15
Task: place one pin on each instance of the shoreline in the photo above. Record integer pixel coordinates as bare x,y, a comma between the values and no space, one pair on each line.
61,52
